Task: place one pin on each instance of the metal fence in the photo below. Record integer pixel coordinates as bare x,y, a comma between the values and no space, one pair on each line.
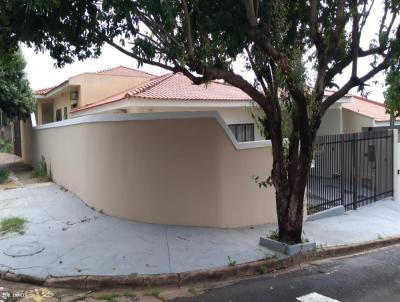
350,170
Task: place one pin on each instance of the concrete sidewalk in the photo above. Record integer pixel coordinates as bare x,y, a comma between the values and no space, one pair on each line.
64,237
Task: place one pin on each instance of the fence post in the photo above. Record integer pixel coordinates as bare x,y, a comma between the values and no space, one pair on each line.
342,170
396,166
354,148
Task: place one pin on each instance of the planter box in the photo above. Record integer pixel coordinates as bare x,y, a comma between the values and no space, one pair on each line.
288,249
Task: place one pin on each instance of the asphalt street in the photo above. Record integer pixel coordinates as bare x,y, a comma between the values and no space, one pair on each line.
370,277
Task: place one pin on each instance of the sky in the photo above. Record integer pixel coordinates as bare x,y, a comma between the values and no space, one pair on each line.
42,72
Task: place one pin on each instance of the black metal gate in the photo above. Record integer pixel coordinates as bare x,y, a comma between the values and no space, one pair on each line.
351,170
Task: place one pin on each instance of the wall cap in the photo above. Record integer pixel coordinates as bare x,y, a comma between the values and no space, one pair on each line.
98,118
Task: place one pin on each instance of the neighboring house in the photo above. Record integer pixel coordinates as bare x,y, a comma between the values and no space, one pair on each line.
354,114
122,90
55,103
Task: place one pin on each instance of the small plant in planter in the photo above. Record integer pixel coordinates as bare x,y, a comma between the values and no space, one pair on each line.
4,175
272,242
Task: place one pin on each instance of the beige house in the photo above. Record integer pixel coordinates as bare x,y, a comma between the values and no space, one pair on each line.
123,90
159,149
55,103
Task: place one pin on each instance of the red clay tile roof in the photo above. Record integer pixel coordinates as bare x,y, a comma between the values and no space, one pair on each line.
45,91
368,108
126,71
176,87
118,70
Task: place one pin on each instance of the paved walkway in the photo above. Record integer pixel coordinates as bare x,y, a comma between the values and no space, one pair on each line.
69,238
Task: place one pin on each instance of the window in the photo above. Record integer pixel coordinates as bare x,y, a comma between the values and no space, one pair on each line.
243,132
58,115
74,95
65,113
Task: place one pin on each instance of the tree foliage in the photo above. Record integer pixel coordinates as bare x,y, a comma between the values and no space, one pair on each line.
16,97
295,50
392,94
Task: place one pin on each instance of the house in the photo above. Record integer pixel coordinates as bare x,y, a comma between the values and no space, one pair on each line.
354,114
55,103
121,90
124,90
159,149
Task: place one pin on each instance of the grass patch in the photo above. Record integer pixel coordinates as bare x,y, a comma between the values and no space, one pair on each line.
4,175
322,246
274,235
12,225
195,290
114,297
269,256
155,292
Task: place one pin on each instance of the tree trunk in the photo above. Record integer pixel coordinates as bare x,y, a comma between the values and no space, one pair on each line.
291,222
290,196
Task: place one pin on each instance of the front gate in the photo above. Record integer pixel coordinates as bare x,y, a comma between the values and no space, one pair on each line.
351,170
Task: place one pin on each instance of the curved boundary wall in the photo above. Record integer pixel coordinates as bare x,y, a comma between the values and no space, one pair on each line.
179,168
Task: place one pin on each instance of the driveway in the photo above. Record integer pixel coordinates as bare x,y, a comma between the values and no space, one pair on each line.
64,237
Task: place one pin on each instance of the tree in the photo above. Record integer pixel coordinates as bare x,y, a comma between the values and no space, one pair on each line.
284,42
16,97
392,94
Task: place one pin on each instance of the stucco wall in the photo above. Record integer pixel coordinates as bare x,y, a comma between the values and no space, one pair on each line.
26,140
233,115
63,100
353,121
331,122
184,169
94,87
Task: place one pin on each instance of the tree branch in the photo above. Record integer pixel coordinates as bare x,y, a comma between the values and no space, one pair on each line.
188,28
353,82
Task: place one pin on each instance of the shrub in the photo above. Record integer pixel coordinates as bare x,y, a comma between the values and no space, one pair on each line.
4,175
6,146
41,171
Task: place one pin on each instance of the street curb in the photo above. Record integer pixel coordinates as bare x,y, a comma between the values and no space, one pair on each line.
177,279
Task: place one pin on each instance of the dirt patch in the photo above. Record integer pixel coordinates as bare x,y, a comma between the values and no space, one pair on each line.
21,173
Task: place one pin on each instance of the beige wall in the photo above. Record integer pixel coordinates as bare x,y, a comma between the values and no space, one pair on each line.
26,140
331,122
233,115
62,101
183,171
353,122
94,87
